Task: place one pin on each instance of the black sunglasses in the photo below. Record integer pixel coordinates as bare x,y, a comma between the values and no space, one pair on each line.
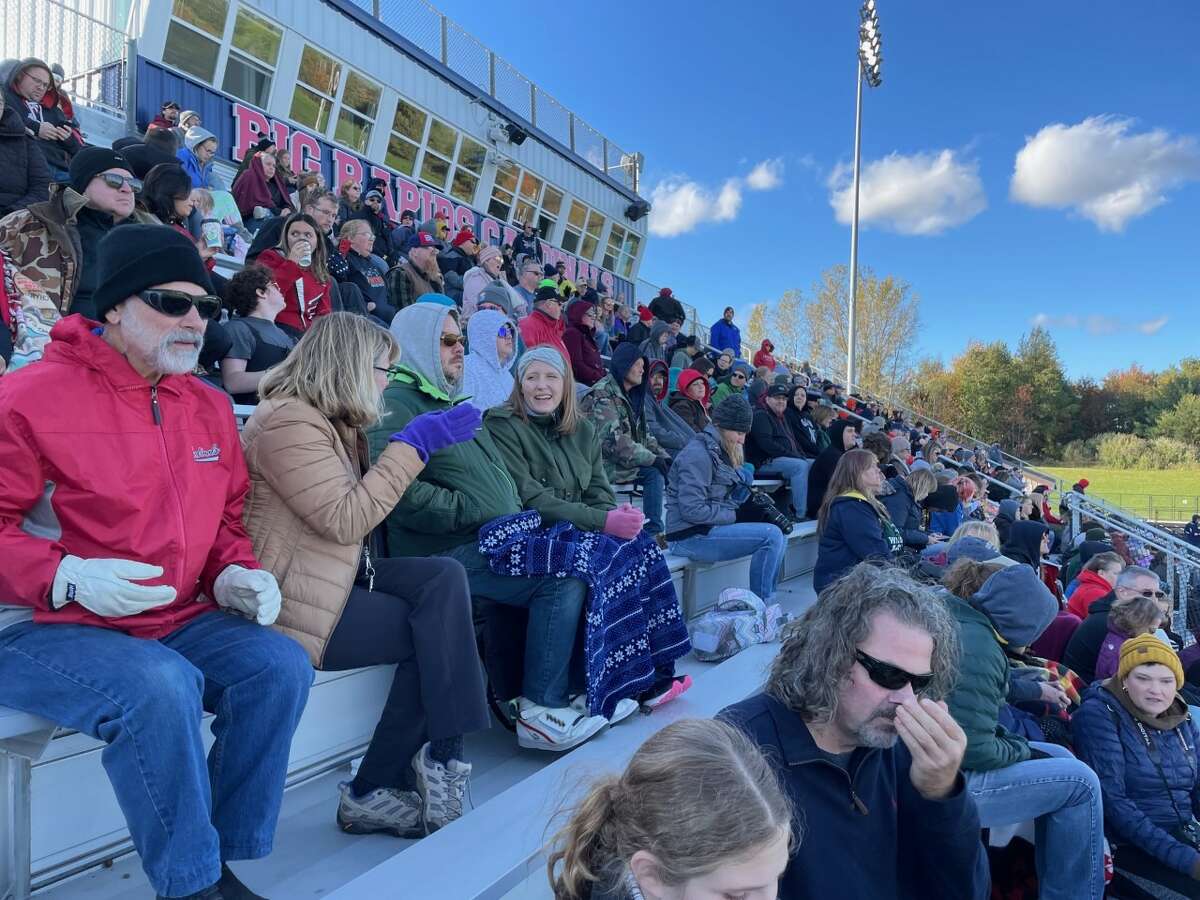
1157,595
176,303
115,181
890,677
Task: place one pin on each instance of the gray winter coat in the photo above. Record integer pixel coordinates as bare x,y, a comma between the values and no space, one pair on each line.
704,489
668,428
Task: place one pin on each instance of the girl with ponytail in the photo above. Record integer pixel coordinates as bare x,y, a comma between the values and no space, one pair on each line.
698,813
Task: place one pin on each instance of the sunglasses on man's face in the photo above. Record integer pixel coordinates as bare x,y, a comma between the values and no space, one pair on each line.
889,677
740,377
1157,595
116,182
451,340
176,304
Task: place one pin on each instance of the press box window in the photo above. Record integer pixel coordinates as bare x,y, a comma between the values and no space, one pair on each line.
360,106
194,36
253,55
408,133
317,85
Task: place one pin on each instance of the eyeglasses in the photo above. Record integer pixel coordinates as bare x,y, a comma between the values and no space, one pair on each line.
451,340
116,182
177,304
891,677
506,331
37,81
1157,595
739,376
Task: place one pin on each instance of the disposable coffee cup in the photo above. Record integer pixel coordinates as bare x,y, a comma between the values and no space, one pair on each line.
211,231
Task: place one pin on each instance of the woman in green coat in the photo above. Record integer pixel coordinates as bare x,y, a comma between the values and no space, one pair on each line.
553,453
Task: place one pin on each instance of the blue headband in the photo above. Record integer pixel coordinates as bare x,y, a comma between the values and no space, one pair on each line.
543,354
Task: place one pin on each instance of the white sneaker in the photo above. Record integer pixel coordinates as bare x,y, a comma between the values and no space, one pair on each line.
624,708
442,788
542,728
383,809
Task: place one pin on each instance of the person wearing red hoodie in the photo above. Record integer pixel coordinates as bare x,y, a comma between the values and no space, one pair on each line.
580,338
1098,578
763,356
301,269
545,324
133,602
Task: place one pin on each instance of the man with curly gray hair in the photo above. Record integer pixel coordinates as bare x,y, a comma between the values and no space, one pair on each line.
868,663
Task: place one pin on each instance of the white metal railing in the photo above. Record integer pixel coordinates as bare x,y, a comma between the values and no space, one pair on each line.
93,54
457,49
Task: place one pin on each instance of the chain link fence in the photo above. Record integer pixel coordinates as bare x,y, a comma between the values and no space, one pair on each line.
447,41
93,54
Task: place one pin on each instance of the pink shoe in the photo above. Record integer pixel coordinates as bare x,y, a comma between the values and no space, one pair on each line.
676,687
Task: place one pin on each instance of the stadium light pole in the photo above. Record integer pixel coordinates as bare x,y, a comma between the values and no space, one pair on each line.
867,68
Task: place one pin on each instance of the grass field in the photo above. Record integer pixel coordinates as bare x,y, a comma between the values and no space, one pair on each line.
1170,494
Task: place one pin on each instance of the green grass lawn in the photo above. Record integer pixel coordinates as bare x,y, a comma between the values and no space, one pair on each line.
1172,494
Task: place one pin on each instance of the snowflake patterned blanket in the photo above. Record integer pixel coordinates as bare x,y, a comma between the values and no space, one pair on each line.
635,630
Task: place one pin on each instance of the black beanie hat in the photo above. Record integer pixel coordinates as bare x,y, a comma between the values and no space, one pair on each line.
142,158
546,293
135,257
90,162
733,414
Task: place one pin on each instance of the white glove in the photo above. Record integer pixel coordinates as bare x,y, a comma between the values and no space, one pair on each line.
252,592
260,212
105,586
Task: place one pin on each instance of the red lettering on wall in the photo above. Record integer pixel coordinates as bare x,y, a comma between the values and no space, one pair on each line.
345,168
249,126
408,196
489,232
389,200
306,153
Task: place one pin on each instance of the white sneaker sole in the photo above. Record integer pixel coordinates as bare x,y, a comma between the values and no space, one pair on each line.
532,739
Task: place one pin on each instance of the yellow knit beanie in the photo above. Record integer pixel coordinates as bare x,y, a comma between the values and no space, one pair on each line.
1145,649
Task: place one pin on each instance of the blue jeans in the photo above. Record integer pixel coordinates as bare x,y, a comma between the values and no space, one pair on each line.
1063,796
653,488
795,471
765,542
144,699
555,613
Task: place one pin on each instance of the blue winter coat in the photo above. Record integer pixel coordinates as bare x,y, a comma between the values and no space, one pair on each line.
905,513
724,335
943,522
853,532
1137,809
202,176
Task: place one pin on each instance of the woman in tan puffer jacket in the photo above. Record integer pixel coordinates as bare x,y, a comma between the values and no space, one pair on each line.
314,504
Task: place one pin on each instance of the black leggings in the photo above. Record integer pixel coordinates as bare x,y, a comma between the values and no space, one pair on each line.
1134,861
419,617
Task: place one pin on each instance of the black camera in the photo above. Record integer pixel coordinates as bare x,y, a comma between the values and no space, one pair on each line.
759,507
1188,833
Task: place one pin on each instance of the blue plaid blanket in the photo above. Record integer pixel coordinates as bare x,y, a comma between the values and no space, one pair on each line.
635,630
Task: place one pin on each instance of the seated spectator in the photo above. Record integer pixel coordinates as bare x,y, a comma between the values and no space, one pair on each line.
774,451
299,266
456,261
799,419
545,324
666,425
1027,543
283,165
622,322
579,336
24,176
705,367
852,524
726,335
822,417
1127,619
1083,650
655,346
144,605
616,406
904,507
867,663
349,196
1008,512
1135,732
312,499
256,343
355,241
901,450
687,349
196,156
723,364
405,230
707,486
764,358
487,369
461,488
260,191
1011,779
99,197
606,317
529,273
946,521
842,437
758,386
733,384
486,271
691,401
418,274
648,832
1098,577
374,214
527,244
167,195
30,89
167,118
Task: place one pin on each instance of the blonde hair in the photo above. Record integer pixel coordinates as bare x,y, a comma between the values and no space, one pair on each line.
695,795
349,229
822,416
332,369
203,199
922,483
568,409
985,531
848,477
734,450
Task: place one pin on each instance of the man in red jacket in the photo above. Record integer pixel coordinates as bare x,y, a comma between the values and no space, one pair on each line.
545,324
133,599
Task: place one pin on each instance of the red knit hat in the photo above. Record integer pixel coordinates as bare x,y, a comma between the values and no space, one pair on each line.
1083,482
644,313
664,292
463,236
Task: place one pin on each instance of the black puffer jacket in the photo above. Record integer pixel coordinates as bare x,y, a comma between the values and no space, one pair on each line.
24,177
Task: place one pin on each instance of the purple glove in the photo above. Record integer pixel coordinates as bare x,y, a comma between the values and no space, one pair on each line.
433,431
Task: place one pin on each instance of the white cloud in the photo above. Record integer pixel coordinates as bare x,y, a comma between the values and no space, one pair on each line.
925,193
766,176
1101,170
1100,325
679,204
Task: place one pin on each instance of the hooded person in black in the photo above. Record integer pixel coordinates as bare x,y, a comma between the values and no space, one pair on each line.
1024,543
1005,519
826,462
799,419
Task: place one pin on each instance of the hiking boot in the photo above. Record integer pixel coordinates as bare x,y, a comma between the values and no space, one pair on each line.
232,887
665,691
389,810
625,708
543,728
441,787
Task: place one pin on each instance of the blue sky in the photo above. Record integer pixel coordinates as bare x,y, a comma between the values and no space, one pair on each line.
1103,244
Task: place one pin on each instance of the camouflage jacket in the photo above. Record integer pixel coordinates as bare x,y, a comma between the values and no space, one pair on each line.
44,247
624,441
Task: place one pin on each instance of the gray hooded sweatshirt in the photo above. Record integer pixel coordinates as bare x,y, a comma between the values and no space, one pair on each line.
486,381
418,331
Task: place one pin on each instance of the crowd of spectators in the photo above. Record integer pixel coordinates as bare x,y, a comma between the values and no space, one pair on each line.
445,441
